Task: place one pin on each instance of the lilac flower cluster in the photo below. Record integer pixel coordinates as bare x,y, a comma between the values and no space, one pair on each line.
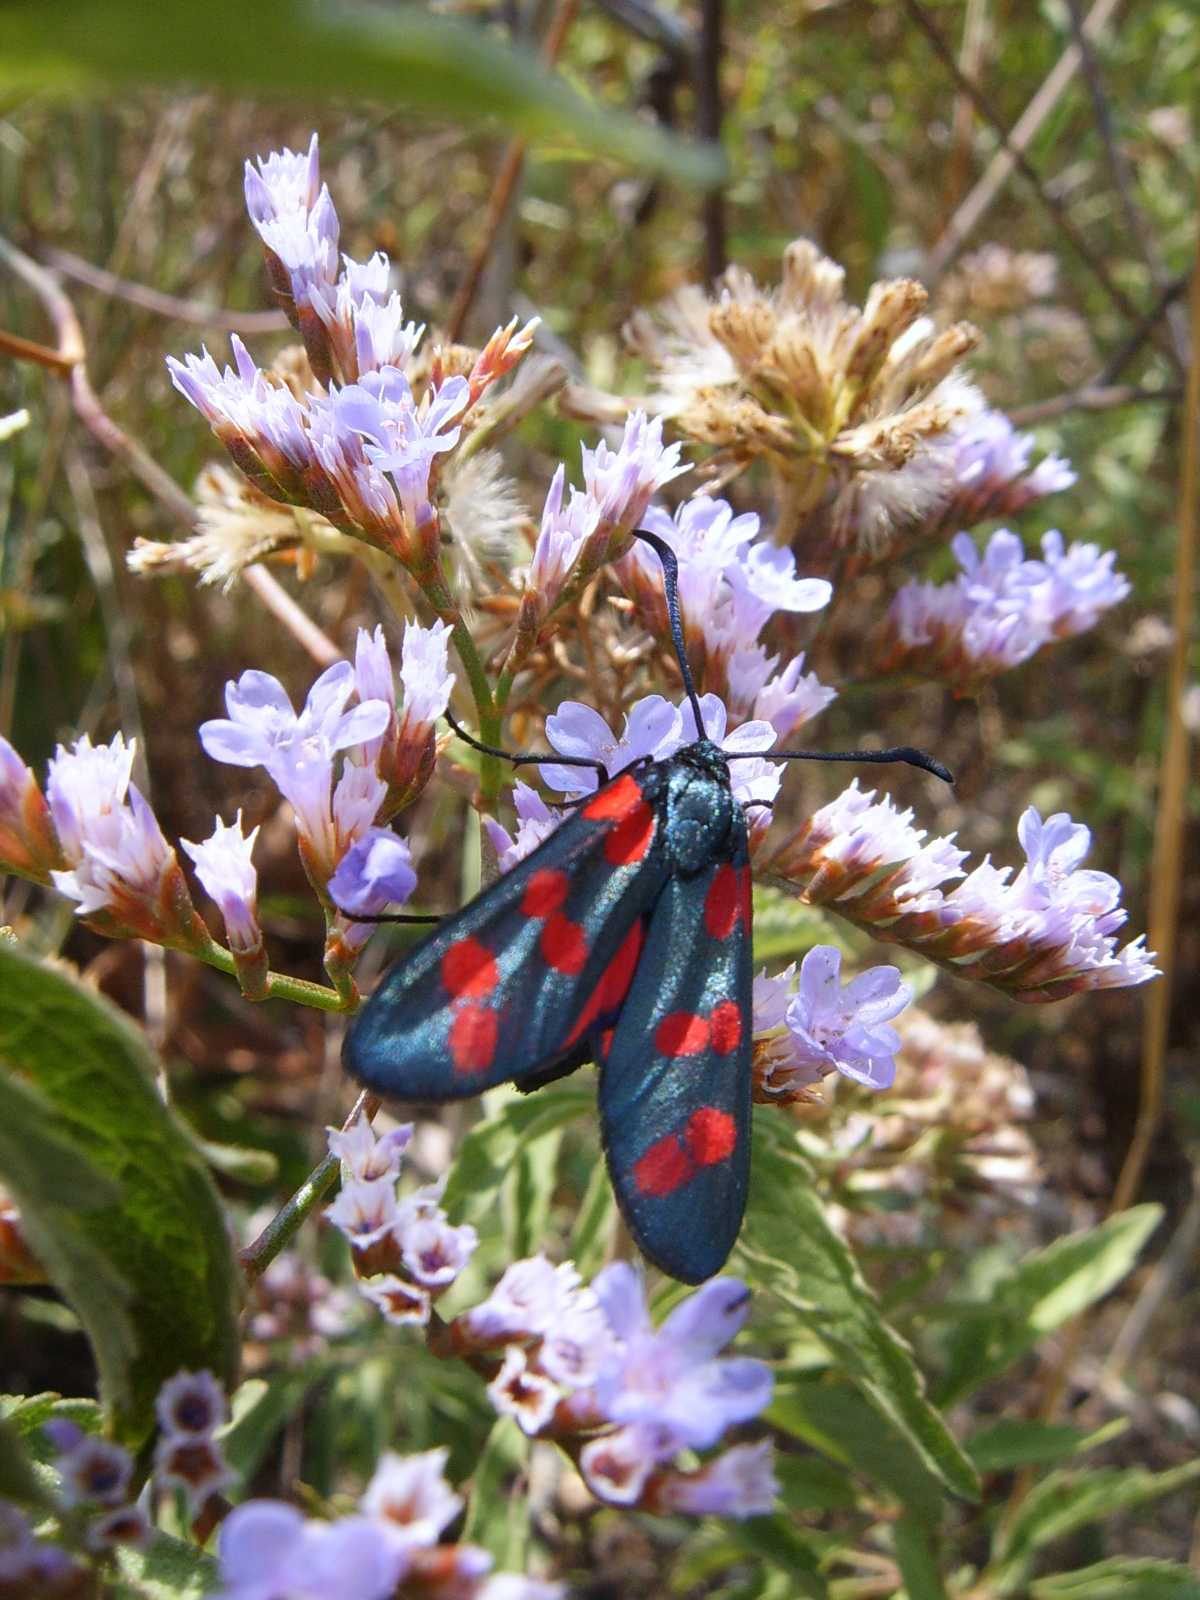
731,583
392,1545
94,1478
654,729
405,1251
1000,610
191,1410
293,1311
1046,934
595,524
801,1037
363,449
94,836
586,1366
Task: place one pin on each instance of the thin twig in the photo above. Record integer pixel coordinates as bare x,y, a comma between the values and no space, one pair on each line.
504,187
1090,397
1124,353
295,619
164,305
708,126
287,1221
1025,167
12,344
1003,164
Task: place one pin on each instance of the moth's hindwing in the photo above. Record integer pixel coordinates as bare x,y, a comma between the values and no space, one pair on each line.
675,1078
518,978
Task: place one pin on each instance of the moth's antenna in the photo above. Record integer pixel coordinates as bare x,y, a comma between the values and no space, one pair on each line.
671,590
901,752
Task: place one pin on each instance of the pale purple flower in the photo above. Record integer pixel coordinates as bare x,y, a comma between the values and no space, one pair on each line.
366,1156
425,674
672,1379
194,1465
375,874
284,182
617,1466
740,1482
787,699
191,1405
94,1472
527,1301
1001,609
400,438
653,730
763,581
535,821
119,857
578,1342
247,412
770,998
622,481
298,751
434,1251
401,1302
269,1551
225,868
564,531
365,1211
381,336
521,1392
374,680
409,1495
845,1029
987,464
123,1526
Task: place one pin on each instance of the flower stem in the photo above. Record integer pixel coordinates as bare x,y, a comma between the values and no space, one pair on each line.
279,986
287,1221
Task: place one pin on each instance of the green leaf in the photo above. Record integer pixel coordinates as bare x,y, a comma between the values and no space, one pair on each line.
259,1410
1013,1442
837,1420
915,1558
1063,1502
498,1512
790,1250
775,1540
808,1483
528,1193
396,55
26,1415
18,1480
1040,1294
1122,1578
593,1225
487,1154
115,1197
240,1162
167,1569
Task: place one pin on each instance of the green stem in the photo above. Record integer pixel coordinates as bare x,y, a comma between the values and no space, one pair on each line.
287,1221
433,586
279,985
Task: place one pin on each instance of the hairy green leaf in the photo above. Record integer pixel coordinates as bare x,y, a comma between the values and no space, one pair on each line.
487,1154
775,1540
916,1560
115,1197
167,1569
1063,1502
790,1250
1040,1294
1121,1578
18,1480
404,55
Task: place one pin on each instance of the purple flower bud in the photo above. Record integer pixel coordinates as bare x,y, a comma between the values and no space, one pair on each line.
433,1251
425,674
517,1391
410,1496
374,874
224,867
94,1472
535,822
363,1155
740,1482
365,1212
526,1302
191,1405
617,1466
27,841
400,1301
126,1526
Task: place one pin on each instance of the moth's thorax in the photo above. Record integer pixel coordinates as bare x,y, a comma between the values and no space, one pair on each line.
700,810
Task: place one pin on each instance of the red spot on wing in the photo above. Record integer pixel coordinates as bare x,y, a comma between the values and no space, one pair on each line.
617,801
606,1039
564,945
710,1136
613,986
469,969
726,1024
473,1034
632,836
723,902
664,1167
544,893
681,1033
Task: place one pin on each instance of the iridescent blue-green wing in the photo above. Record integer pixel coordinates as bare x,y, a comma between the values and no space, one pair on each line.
675,1078
522,975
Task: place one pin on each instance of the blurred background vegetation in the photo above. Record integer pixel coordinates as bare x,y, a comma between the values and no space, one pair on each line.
841,122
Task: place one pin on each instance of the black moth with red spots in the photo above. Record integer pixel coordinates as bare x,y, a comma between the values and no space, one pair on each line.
623,939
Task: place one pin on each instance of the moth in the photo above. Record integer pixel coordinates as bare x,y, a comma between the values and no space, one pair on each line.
625,939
